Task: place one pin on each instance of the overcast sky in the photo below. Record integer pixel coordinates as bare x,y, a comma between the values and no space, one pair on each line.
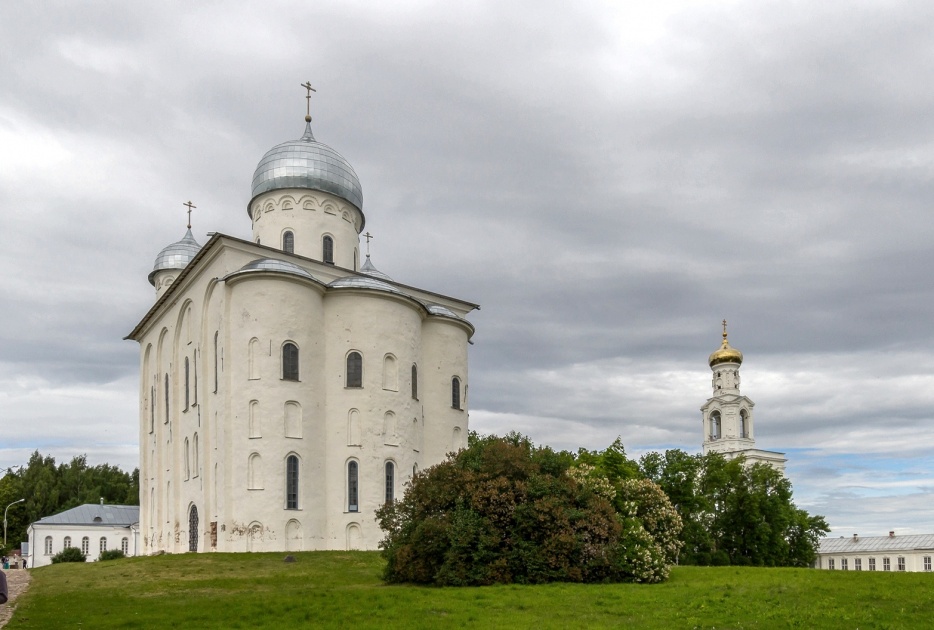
608,180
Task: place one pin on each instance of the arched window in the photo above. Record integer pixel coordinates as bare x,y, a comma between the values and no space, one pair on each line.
354,370
187,382
85,545
390,373
353,488
152,408
291,482
289,362
254,472
743,424
215,360
187,460
288,242
192,529
715,425
194,378
196,464
456,393
103,544
166,398
48,545
327,250
125,546
353,428
255,428
389,428
390,482
293,419
67,542
254,358
414,381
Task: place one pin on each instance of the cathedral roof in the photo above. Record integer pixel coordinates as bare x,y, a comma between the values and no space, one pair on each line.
307,163
175,256
272,265
726,353
358,282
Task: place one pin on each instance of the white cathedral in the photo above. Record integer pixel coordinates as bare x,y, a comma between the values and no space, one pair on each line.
729,428
286,390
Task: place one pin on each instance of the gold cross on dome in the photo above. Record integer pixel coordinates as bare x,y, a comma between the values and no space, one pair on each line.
724,329
307,86
190,206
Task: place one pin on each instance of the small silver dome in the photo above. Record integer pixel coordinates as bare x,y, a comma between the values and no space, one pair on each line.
175,256
369,269
307,163
273,265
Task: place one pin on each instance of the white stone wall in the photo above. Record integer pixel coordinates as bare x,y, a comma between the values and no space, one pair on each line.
246,414
114,536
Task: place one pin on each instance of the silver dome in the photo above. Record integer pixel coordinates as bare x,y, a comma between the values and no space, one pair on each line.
175,256
307,163
273,265
369,269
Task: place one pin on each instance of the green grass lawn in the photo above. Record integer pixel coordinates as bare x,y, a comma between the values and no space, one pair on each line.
343,590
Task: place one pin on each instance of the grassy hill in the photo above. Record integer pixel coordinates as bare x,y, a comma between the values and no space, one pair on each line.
343,590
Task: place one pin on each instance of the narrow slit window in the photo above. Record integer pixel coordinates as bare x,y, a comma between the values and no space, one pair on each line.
291,483
456,393
327,247
353,488
288,242
354,370
290,362
414,381
187,384
390,482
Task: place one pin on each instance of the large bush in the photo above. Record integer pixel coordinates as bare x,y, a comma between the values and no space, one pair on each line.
68,554
504,511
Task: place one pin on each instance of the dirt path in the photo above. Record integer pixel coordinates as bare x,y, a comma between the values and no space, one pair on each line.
18,581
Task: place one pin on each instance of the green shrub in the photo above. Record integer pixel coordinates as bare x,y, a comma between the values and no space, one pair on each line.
69,554
503,511
111,554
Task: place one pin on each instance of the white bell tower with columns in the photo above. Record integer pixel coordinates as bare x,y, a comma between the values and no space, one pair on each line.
728,422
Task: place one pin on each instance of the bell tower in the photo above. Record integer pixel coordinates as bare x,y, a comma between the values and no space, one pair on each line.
728,422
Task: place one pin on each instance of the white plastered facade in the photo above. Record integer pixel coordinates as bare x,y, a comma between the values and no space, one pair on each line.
219,447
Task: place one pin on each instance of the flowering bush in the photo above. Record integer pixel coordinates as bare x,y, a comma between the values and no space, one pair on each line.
504,511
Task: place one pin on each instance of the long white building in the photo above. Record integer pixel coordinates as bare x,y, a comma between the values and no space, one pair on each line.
286,390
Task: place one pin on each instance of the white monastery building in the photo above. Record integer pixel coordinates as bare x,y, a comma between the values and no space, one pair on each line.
92,528
876,553
729,427
286,390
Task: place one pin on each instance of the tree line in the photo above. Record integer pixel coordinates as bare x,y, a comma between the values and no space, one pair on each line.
49,488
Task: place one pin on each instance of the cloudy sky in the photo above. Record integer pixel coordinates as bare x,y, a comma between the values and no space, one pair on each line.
608,180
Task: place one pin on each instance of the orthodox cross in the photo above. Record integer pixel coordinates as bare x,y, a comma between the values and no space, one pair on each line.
190,206
307,86
367,236
724,329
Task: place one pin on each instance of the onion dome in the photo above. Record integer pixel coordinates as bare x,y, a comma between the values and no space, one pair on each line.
175,256
307,163
369,269
726,353
271,265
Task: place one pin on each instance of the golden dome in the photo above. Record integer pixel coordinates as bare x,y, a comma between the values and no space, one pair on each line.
726,353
